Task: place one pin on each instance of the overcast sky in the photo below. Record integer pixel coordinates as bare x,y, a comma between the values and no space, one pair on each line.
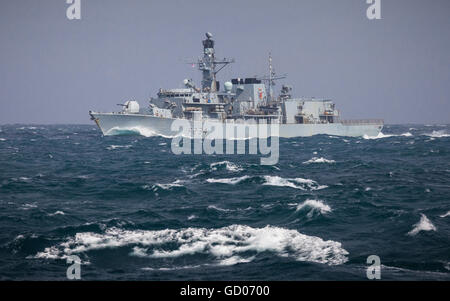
54,70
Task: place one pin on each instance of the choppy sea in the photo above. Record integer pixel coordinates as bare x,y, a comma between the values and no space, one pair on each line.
132,210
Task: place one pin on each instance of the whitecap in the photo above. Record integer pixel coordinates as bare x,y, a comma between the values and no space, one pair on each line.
227,245
297,183
445,215
235,260
318,160
2,139
113,147
56,213
185,267
423,225
28,206
230,166
379,136
232,181
314,206
191,217
438,134
167,186
407,134
218,208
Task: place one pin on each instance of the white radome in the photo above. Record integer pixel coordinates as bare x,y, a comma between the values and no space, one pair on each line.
228,86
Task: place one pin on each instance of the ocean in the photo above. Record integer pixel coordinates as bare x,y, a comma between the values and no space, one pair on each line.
130,209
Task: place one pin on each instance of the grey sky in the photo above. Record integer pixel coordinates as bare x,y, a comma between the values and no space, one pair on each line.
53,70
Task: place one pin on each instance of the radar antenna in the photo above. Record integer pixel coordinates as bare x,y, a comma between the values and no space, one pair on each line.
271,78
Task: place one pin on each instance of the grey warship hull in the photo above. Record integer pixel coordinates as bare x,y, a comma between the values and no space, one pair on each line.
146,125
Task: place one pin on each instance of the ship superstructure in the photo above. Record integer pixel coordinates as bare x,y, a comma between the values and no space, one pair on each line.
239,101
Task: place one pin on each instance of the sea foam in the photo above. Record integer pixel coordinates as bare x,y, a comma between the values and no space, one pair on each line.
438,134
227,246
297,183
423,225
318,160
232,181
113,147
379,136
230,166
314,206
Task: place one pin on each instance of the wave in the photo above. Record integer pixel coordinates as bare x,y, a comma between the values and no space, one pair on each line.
56,213
21,179
185,267
191,217
113,147
232,181
445,215
28,206
297,183
230,166
227,246
214,207
314,206
168,186
218,208
130,131
423,225
379,136
382,136
318,160
438,134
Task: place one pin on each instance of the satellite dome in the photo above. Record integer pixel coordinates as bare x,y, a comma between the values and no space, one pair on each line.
228,86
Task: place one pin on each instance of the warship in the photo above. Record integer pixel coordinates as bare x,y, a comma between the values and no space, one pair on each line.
239,104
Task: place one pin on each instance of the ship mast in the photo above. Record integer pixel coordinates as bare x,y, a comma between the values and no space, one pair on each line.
270,79
271,74
208,64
